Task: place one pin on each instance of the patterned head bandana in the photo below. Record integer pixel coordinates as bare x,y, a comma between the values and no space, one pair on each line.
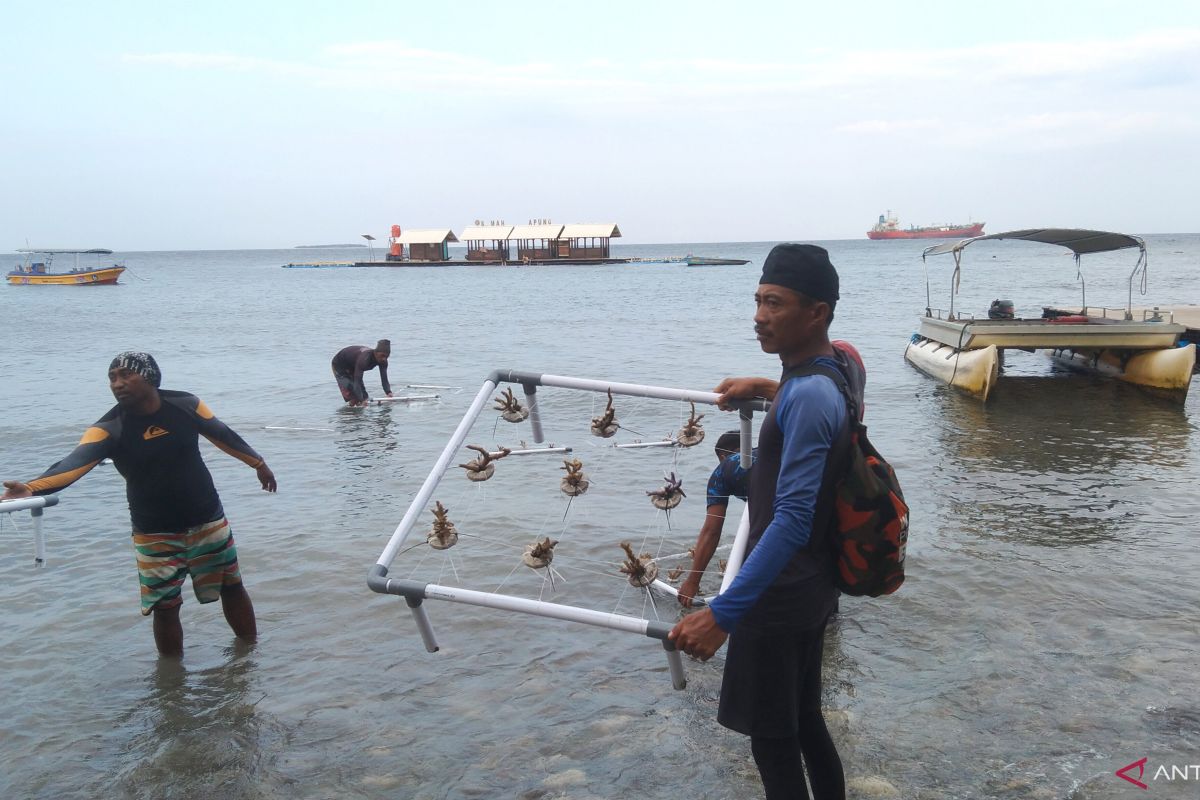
141,363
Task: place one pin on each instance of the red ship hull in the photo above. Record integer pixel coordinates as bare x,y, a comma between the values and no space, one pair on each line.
937,232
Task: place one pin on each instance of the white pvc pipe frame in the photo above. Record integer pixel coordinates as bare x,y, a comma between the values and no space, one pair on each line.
35,506
415,592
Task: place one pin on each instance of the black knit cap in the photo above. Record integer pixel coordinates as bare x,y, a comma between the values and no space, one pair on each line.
803,268
384,346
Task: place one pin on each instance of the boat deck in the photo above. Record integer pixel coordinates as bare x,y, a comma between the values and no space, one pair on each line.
1052,334
1186,315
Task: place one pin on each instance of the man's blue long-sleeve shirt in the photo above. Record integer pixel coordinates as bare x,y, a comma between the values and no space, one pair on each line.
810,412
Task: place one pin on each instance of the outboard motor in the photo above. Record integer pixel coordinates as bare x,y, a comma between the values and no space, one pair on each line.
1001,309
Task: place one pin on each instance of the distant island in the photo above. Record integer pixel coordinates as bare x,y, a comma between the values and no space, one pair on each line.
325,246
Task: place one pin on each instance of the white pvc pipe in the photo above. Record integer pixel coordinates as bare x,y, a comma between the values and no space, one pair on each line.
535,417
435,475
531,451
603,619
22,503
667,588
631,389
747,439
426,629
285,428
39,539
675,663
403,398
428,386
738,553
663,443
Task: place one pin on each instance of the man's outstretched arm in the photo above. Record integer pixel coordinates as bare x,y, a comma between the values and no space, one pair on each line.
93,448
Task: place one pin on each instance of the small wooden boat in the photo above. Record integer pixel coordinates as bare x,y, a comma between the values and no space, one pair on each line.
37,272
702,261
968,353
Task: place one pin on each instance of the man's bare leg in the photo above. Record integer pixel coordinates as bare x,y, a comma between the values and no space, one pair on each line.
239,611
168,632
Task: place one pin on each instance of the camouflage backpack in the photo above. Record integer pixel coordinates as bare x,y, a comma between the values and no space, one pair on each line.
869,530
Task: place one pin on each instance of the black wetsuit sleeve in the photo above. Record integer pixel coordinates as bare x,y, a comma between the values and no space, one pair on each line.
383,378
95,445
217,432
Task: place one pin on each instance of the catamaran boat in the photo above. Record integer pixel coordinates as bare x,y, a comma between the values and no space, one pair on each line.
967,353
36,269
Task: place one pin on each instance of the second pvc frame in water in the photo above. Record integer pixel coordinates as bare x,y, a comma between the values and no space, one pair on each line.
415,592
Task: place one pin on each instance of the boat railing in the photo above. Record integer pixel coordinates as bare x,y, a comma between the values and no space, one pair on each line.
949,315
1123,314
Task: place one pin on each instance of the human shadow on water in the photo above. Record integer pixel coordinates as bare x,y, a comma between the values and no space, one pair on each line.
204,735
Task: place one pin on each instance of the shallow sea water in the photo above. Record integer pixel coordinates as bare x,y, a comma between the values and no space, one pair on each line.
1046,635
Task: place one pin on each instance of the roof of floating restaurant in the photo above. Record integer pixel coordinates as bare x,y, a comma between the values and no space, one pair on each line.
476,233
425,236
520,232
591,230
1077,240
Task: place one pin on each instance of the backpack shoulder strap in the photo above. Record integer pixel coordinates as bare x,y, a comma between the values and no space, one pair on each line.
838,462
835,375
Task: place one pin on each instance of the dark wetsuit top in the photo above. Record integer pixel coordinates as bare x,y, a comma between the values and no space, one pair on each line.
784,580
352,362
168,486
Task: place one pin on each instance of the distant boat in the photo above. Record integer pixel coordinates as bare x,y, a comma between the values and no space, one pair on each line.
888,227
701,261
37,272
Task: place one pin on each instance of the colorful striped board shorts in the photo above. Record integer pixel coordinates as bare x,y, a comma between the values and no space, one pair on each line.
206,552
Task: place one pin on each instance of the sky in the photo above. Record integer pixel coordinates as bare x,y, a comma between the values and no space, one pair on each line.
229,125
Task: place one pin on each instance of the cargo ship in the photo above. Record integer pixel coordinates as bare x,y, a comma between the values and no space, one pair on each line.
888,227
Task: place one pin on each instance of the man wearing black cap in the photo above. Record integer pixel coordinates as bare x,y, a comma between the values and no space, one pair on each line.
775,611
179,525
351,362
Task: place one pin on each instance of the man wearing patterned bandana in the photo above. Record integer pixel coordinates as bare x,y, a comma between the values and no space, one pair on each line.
179,526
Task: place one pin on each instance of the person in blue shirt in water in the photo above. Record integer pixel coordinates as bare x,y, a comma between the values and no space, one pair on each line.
775,611
728,480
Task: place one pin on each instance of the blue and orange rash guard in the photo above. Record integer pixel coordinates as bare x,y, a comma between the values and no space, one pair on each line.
728,480
168,486
353,361
794,582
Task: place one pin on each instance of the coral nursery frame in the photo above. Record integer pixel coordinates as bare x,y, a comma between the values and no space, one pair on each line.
415,592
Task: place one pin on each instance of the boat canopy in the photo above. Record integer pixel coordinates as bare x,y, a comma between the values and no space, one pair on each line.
1077,240
56,251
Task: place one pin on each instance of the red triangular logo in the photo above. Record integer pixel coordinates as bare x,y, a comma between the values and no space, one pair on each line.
1141,768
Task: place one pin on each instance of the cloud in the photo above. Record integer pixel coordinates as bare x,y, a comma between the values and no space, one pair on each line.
1042,93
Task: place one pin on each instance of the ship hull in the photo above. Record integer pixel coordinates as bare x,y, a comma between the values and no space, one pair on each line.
91,277
940,232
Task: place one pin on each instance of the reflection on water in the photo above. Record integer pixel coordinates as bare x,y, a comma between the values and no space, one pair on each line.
1055,460
202,734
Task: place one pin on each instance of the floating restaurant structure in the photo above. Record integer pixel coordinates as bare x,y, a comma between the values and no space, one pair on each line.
540,241
424,244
